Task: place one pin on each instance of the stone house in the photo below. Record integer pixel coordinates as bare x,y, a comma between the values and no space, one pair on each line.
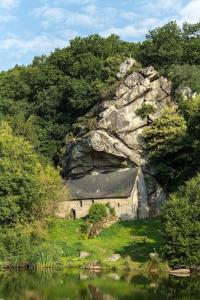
122,189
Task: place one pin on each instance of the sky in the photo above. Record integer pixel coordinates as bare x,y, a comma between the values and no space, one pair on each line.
34,27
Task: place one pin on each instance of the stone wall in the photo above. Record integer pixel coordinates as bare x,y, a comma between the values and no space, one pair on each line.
123,207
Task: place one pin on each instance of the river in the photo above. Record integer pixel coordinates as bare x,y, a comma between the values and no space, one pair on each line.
73,285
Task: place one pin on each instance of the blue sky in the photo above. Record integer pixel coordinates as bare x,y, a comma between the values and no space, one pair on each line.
35,27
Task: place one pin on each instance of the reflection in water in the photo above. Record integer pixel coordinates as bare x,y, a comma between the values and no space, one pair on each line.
71,285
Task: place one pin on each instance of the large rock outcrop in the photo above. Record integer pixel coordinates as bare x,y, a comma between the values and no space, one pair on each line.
116,142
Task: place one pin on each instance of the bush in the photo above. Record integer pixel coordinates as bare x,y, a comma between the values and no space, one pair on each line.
97,212
46,255
181,217
16,245
23,247
26,185
85,228
185,75
145,110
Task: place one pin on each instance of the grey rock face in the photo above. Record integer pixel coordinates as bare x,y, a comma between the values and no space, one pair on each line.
117,141
125,67
150,73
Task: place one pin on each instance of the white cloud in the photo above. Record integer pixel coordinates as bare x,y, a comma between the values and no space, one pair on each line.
52,15
22,49
129,16
7,4
191,12
6,18
90,15
79,2
37,45
160,7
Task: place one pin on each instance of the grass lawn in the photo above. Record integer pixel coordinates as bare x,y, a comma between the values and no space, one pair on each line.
115,239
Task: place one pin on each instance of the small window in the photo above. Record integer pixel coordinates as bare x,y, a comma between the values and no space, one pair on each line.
81,203
118,204
92,201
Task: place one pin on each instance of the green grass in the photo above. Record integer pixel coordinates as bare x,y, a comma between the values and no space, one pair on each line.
115,239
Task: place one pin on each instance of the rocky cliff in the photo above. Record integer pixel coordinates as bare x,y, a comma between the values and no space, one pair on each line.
116,142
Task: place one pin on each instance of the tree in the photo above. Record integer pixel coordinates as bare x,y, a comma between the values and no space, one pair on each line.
163,46
171,44
181,218
25,184
166,143
191,110
166,134
185,75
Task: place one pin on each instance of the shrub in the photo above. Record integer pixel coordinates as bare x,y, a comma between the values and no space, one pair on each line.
97,212
26,185
145,110
181,217
46,255
185,75
16,245
85,229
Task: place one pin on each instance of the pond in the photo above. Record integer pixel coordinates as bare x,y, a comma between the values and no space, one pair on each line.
87,286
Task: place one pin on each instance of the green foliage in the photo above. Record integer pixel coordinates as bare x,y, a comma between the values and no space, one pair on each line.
166,134
26,186
171,44
15,245
181,217
191,112
85,228
97,212
173,143
145,110
185,75
45,255
166,141
23,247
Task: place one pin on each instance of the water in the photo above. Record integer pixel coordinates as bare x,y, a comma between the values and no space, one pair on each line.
108,286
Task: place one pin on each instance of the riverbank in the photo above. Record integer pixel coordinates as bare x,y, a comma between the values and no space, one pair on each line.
124,245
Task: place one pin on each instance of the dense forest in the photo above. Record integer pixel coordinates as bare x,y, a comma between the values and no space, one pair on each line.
43,103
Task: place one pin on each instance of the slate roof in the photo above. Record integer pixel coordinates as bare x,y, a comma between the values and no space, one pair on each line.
105,185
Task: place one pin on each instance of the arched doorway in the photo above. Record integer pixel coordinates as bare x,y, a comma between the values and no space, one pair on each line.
73,214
